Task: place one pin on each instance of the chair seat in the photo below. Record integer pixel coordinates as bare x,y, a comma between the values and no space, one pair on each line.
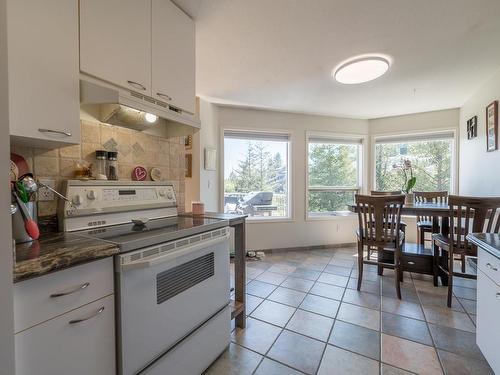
424,224
444,243
401,239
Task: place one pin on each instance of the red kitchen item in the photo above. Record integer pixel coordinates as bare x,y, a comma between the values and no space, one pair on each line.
20,162
29,224
139,173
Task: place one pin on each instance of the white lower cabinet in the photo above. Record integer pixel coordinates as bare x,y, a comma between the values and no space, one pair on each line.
79,342
488,313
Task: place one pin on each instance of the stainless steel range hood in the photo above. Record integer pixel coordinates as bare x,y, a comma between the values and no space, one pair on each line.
130,109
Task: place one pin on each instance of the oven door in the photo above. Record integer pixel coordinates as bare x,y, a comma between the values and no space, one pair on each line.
166,292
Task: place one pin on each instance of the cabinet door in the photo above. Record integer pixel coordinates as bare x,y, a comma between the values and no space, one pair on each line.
488,311
63,346
115,42
173,39
44,101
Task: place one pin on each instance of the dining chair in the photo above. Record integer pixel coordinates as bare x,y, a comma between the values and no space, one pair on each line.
467,215
379,230
385,193
424,223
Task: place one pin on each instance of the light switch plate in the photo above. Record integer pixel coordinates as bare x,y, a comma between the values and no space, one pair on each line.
45,194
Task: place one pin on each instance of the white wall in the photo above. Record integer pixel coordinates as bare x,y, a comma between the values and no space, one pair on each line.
480,169
6,303
209,137
297,231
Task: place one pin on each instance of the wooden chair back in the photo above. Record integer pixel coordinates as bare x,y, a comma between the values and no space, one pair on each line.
471,215
379,219
430,197
385,193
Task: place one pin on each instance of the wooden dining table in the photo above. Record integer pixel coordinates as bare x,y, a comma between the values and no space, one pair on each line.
418,258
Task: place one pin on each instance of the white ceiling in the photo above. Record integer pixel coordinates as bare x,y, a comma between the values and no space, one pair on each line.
279,54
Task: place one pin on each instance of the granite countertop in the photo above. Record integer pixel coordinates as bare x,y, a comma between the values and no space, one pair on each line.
57,251
486,241
219,215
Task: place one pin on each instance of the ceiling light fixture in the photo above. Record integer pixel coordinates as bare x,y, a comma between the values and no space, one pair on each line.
361,69
150,117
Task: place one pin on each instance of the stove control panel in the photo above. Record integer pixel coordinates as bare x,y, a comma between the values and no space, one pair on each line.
101,196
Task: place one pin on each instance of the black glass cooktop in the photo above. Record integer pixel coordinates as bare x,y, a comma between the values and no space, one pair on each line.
131,237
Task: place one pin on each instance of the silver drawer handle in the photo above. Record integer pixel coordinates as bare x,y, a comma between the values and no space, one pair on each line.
491,267
137,85
61,294
497,295
164,96
67,134
76,321
412,263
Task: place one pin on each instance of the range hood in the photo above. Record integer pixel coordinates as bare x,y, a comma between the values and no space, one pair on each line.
130,109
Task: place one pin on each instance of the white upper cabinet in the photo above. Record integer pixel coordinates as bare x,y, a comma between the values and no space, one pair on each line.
173,51
115,42
44,102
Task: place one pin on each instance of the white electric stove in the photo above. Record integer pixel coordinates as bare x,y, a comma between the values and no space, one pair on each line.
172,274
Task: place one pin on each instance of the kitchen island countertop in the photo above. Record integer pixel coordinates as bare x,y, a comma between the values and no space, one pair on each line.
55,252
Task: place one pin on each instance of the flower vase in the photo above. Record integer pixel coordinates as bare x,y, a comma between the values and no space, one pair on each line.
409,198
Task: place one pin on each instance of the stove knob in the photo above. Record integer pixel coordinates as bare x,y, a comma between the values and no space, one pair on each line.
162,193
77,200
91,195
170,195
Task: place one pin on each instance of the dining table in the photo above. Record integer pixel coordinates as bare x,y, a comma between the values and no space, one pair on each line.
418,258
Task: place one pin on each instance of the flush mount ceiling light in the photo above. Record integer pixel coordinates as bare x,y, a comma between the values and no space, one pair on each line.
361,69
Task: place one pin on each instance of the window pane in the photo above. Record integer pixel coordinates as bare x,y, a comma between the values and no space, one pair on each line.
333,165
256,177
323,203
431,161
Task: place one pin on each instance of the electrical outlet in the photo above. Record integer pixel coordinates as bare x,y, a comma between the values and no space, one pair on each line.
45,194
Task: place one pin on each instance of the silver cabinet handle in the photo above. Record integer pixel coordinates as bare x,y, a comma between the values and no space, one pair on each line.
61,294
497,295
489,265
164,96
67,134
137,85
410,262
76,321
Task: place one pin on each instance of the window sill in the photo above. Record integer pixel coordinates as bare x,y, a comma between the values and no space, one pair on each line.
339,215
270,220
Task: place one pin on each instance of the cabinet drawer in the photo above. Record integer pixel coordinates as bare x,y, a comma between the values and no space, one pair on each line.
419,264
35,300
489,264
488,311
59,347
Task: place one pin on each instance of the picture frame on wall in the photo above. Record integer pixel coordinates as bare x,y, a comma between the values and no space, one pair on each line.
472,128
492,126
210,159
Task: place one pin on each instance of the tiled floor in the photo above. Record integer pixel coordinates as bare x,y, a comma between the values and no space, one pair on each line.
305,316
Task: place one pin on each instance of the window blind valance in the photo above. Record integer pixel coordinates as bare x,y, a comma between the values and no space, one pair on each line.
256,136
335,140
407,138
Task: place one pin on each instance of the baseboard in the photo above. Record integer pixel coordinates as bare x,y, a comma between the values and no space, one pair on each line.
306,248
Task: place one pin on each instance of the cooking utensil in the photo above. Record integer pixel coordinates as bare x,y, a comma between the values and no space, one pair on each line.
22,165
13,209
21,192
30,225
29,183
41,184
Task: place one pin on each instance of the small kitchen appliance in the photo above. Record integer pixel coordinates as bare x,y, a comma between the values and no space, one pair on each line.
172,273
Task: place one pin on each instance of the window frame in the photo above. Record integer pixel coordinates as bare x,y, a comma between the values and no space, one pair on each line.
278,132
454,172
361,161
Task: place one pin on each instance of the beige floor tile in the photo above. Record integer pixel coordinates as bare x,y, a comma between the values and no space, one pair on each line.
257,336
297,351
332,279
236,360
295,283
410,355
252,302
361,316
287,296
340,361
271,278
454,364
404,308
390,370
356,339
310,324
449,318
369,300
282,268
274,313
270,367
320,305
260,289
328,291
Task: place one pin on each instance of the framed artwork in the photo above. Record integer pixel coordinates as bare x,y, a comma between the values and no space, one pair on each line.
188,142
210,159
472,127
188,165
492,126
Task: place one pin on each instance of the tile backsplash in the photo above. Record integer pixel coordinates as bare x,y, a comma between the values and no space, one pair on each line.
134,148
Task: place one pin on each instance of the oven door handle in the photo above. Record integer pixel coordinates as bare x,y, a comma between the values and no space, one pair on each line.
153,261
